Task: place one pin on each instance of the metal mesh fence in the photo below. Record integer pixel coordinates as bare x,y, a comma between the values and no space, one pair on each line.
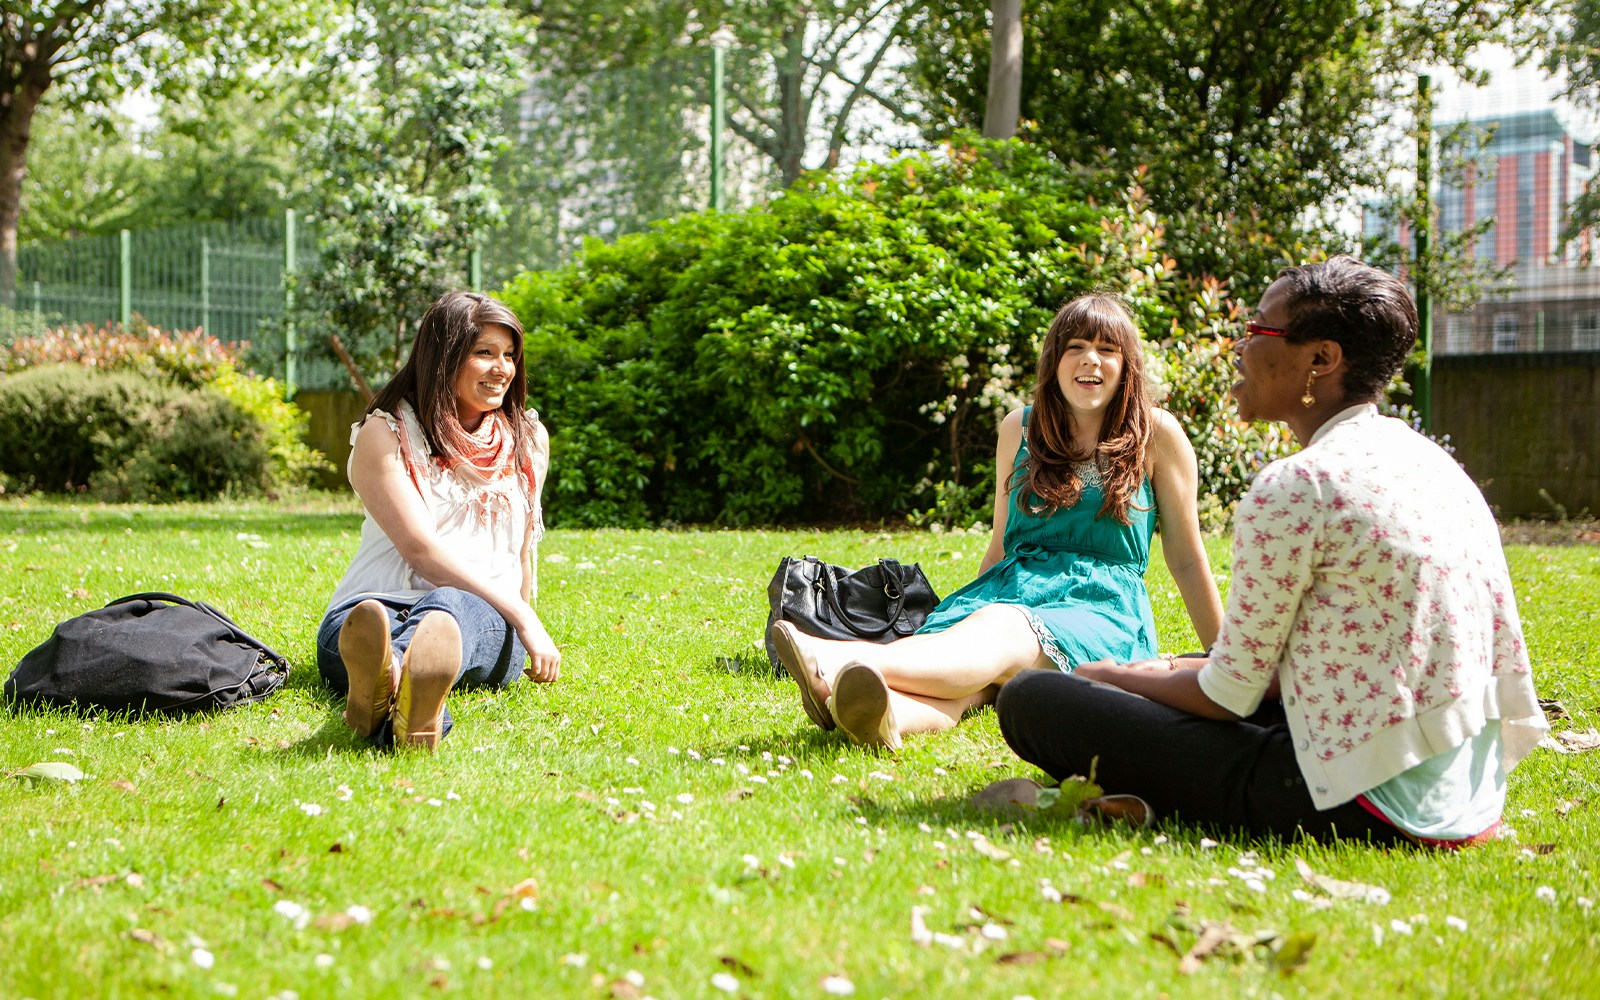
224,277
607,154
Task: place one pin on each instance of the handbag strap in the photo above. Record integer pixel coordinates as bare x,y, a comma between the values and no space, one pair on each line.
897,599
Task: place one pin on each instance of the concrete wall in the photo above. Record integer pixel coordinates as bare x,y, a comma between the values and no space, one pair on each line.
1521,423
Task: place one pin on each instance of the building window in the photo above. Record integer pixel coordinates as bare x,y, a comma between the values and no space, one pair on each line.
1507,333
1586,332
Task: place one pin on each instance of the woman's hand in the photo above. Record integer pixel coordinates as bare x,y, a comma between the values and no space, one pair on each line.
544,658
1171,682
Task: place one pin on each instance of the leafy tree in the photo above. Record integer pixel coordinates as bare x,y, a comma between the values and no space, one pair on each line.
92,51
86,174
1255,118
402,161
95,171
1568,39
800,74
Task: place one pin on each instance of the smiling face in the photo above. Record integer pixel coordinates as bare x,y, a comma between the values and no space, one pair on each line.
1272,369
1089,373
485,376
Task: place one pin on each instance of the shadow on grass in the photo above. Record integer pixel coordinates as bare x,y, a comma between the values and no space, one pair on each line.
332,737
96,522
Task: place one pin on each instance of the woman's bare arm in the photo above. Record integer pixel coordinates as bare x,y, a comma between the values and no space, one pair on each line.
1176,478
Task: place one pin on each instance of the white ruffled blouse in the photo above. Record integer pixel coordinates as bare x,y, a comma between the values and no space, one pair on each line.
483,521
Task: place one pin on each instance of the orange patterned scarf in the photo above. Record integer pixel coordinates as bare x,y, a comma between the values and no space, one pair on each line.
493,456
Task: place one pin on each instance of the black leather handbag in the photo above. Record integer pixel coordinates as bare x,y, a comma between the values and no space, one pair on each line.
879,603
156,653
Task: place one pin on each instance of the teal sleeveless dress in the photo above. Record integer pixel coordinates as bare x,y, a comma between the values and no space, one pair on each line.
1078,577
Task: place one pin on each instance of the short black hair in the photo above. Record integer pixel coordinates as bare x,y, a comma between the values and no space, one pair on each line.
1368,311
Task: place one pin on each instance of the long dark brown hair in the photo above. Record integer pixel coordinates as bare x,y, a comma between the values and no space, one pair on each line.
1049,481
428,378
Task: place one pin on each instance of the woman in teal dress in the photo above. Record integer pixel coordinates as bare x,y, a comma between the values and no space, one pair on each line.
1083,477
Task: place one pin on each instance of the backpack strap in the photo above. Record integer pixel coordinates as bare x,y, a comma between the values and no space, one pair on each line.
217,613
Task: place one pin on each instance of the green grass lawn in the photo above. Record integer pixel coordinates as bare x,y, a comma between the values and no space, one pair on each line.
664,822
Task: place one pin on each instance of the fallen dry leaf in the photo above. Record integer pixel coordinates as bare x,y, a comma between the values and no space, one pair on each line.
333,921
1577,742
123,785
1007,795
150,938
1213,935
526,889
1023,958
981,844
1120,912
1341,889
1554,709
95,881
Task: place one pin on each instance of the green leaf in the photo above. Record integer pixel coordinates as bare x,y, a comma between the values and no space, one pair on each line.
1069,797
1293,952
50,771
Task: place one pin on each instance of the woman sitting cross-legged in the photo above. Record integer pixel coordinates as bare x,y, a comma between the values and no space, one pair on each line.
449,466
1369,590
1081,476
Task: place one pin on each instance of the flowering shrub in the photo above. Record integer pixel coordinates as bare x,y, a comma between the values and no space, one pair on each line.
188,358
188,362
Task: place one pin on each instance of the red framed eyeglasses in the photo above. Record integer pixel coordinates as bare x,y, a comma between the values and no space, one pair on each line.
1252,329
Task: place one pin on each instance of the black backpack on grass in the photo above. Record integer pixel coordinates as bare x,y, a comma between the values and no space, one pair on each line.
147,653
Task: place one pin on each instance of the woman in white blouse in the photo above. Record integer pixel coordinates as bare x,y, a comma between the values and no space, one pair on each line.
1369,590
450,467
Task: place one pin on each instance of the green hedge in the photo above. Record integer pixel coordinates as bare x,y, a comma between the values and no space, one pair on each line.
121,436
838,355
185,363
846,352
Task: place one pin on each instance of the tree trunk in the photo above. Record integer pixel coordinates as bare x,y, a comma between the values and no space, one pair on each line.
16,128
792,106
1004,106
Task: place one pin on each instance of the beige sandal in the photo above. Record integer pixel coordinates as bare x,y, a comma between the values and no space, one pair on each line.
788,650
427,673
860,704
369,665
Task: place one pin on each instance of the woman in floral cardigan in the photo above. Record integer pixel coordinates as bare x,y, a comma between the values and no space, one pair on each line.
1370,678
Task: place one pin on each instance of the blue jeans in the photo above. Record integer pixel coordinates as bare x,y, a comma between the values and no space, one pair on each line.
491,653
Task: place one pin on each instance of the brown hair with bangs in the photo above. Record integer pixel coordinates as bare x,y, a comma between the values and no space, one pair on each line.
428,378
1048,478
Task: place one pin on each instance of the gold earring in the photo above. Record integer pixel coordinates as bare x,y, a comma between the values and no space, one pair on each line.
1308,400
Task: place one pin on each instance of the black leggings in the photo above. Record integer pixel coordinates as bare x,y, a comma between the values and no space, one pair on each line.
1234,776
